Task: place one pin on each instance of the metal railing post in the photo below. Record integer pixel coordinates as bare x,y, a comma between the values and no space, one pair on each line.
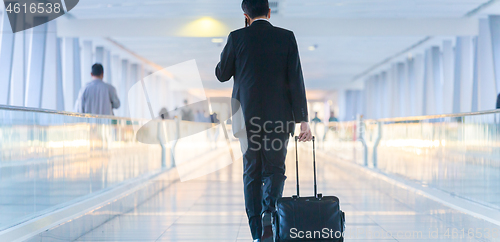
162,137
377,142
176,140
361,138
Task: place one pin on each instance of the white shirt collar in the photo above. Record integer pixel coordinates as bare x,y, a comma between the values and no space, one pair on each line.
265,19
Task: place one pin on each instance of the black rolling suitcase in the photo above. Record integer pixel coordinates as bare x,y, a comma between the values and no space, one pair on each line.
315,218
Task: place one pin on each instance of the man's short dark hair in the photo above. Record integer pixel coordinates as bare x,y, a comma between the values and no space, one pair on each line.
97,69
255,8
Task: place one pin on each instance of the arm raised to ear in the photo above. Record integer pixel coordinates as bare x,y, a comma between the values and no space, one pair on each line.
226,67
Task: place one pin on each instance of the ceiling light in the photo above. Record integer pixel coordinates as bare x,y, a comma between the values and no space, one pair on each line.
204,27
217,40
312,47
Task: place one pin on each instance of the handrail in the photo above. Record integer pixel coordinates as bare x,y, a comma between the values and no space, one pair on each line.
72,114
399,119
416,118
380,122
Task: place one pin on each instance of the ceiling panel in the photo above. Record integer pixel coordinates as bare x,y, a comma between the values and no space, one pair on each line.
335,61
286,8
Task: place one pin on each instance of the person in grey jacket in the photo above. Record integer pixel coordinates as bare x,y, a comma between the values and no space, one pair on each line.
97,97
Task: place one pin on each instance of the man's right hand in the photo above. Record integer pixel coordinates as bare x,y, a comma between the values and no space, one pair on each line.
305,132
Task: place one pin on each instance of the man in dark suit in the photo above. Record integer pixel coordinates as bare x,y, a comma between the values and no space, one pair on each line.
268,83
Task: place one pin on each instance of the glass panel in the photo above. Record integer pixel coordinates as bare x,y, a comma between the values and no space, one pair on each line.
50,160
459,155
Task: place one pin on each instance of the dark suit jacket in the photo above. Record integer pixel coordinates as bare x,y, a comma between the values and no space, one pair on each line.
498,101
268,81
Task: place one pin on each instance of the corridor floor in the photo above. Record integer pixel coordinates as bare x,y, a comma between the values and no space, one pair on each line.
211,208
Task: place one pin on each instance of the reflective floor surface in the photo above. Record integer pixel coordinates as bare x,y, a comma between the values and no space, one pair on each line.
28,189
211,208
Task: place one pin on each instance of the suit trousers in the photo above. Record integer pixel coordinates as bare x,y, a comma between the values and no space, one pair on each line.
264,177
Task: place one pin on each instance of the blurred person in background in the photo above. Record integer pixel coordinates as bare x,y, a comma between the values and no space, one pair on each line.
316,119
269,85
97,97
175,113
206,117
186,112
164,114
332,117
334,120
199,117
214,118
498,101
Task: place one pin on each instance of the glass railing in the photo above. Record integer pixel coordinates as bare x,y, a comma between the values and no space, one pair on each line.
458,154
49,159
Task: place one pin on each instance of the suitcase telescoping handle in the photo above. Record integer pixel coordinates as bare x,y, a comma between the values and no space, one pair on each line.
297,166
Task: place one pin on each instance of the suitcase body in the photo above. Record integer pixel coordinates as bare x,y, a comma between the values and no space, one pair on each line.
315,218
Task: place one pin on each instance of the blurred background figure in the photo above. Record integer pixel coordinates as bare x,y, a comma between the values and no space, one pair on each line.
316,119
214,119
97,97
175,113
332,117
199,116
186,112
207,117
498,101
164,114
334,120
